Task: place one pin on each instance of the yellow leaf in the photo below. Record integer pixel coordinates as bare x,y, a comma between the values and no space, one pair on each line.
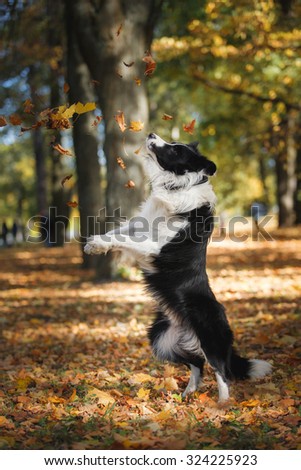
3,421
102,397
143,394
140,378
84,108
24,382
163,416
6,441
136,126
170,384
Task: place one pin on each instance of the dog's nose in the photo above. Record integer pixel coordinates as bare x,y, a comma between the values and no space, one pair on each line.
151,135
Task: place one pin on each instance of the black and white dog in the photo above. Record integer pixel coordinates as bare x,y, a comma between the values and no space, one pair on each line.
191,326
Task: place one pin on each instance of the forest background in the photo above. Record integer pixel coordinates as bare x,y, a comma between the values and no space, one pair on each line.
231,70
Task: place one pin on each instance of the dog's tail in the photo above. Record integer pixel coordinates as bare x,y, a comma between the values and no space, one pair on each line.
242,368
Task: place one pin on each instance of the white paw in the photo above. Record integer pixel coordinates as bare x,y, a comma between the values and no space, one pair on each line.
97,245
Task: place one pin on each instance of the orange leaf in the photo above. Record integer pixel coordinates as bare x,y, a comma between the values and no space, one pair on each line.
119,118
66,178
167,117
130,184
121,163
138,150
189,128
136,126
62,150
119,30
97,121
15,120
150,64
66,87
28,106
3,121
138,81
72,204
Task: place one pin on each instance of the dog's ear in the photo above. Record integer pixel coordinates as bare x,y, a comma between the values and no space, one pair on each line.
194,145
210,168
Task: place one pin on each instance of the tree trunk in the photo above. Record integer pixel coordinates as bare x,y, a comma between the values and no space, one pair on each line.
286,173
59,212
298,188
112,32
38,148
85,139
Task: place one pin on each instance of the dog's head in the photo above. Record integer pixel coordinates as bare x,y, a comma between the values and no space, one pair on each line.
176,159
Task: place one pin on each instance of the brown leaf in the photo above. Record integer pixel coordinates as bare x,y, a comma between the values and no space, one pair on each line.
150,64
15,120
138,150
72,204
97,121
119,30
119,118
28,106
121,163
189,128
66,87
66,178
167,117
62,150
95,82
3,121
130,184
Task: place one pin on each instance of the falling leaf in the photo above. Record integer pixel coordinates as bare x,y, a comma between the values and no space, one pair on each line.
3,121
136,126
66,87
62,150
95,82
150,64
138,150
138,81
130,184
15,120
72,204
119,118
121,163
28,106
189,128
97,121
130,64
119,30
167,117
66,178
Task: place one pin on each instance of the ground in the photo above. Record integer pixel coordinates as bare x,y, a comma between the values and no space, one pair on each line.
77,370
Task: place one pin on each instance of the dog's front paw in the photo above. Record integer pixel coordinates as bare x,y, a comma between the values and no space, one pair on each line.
97,245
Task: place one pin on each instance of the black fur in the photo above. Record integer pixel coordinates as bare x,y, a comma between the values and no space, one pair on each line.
180,283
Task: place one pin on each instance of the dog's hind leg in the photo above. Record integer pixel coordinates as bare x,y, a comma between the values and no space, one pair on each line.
195,379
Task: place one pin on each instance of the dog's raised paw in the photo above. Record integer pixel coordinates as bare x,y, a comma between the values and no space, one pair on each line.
96,245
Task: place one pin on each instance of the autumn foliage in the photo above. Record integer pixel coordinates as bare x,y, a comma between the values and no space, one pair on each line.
77,369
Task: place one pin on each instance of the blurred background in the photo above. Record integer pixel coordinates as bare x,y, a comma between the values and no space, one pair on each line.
225,73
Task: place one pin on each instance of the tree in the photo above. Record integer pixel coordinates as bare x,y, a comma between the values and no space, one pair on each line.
85,140
252,52
111,34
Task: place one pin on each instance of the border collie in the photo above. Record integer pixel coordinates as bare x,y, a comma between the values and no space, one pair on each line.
191,326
